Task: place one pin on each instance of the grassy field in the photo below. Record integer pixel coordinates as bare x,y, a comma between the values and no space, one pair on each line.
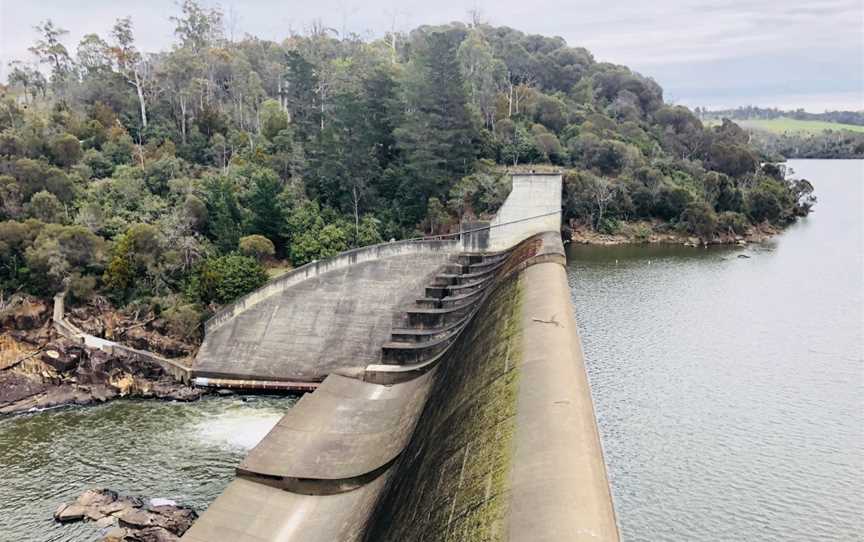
787,125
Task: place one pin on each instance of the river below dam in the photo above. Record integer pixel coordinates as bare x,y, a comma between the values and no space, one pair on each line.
181,451
728,392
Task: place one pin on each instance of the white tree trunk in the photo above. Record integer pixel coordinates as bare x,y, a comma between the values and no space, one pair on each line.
356,215
140,90
183,117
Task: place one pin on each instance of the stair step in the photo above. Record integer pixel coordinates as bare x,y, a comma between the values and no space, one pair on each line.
456,300
429,302
436,291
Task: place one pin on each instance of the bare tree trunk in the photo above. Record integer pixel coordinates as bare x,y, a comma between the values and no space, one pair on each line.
140,90
356,215
183,117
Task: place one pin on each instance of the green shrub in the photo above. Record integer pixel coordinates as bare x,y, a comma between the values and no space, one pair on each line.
82,287
224,279
763,205
65,150
699,219
671,202
257,246
641,232
730,221
609,226
100,166
46,207
183,321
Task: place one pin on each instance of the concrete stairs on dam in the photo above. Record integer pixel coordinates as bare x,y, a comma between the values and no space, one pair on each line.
423,332
467,416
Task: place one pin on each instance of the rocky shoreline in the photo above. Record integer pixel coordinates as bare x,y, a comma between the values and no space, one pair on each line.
128,518
645,232
39,369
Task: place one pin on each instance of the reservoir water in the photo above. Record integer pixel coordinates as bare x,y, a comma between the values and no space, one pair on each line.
728,390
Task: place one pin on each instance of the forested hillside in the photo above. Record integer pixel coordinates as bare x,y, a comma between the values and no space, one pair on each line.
163,180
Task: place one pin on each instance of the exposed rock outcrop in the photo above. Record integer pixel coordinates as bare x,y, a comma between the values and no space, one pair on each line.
659,232
63,372
128,518
24,312
141,332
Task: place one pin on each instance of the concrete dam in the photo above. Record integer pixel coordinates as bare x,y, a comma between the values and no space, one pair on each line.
450,397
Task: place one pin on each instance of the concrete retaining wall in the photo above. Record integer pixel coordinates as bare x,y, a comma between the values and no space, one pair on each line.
176,369
314,269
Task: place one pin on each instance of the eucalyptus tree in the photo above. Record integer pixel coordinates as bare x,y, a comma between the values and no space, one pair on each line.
130,62
49,49
31,80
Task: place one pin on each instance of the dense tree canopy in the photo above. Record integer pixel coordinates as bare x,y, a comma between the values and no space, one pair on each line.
147,172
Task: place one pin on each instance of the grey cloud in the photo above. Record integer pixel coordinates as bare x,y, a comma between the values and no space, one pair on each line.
667,39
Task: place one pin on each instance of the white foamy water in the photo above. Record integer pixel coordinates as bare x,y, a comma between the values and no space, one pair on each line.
238,427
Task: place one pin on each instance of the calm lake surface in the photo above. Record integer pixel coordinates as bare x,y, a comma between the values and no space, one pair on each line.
730,391
181,451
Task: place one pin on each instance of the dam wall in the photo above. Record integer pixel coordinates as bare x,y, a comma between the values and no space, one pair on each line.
533,206
494,439
506,447
450,396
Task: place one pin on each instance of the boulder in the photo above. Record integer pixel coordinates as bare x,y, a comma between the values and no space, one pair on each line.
129,518
63,355
134,517
117,534
106,522
102,393
172,518
97,497
153,341
69,512
29,313
154,534
15,387
168,389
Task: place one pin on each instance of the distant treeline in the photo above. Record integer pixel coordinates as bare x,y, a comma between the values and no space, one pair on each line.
829,144
751,112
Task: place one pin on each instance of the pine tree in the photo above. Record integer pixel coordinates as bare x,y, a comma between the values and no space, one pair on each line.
438,134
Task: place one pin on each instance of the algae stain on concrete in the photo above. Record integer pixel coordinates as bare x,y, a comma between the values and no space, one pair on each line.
451,484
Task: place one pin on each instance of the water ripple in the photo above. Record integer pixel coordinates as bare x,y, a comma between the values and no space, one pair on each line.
184,452
729,391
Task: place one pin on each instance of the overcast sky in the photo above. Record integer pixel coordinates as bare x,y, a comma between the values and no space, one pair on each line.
785,53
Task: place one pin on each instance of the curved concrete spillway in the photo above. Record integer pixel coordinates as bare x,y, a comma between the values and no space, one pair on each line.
331,440
475,422
335,319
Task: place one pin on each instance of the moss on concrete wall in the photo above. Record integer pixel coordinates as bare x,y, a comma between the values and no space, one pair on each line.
450,484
